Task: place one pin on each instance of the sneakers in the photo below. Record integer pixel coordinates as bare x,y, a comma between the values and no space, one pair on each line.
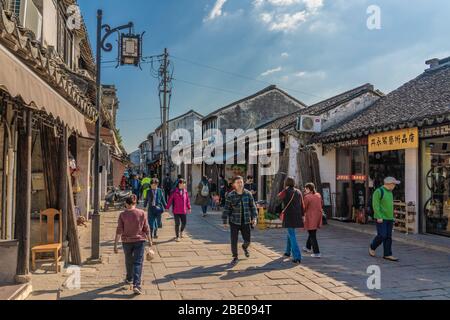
178,240
372,253
137,291
234,262
297,261
306,250
155,236
392,259
316,255
246,252
182,235
286,255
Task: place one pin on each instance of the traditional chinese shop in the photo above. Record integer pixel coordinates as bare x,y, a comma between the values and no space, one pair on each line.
363,164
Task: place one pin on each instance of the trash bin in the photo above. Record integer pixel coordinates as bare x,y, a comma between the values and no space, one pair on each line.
8,260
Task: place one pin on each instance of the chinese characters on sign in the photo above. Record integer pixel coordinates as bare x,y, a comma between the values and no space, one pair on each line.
394,140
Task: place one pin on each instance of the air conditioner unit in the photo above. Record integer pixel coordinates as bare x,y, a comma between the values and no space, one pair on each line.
309,124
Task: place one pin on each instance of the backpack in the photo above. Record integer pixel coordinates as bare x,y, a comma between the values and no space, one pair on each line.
370,209
205,191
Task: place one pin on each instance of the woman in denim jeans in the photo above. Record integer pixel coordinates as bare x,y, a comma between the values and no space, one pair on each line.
133,229
156,204
292,200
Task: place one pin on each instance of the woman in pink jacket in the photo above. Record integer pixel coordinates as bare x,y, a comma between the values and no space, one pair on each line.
181,204
313,219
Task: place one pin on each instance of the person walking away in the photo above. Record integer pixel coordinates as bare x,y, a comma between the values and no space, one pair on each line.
292,200
133,229
383,207
203,195
250,185
167,185
313,219
145,187
222,190
181,204
156,204
212,191
240,213
136,187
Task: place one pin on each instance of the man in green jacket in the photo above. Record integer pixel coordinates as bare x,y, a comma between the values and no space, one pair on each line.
383,206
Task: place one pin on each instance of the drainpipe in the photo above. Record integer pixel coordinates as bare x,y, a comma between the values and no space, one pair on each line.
10,183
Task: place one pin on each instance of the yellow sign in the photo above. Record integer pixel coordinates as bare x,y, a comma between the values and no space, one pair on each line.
394,140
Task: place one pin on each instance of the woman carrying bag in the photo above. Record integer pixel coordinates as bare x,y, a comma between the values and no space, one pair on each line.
203,195
292,217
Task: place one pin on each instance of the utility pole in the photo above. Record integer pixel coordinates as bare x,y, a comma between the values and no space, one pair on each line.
166,78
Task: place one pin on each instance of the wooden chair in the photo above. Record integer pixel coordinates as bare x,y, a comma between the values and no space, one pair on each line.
51,245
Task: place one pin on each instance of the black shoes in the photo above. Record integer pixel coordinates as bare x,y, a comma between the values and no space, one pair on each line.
234,262
246,252
297,261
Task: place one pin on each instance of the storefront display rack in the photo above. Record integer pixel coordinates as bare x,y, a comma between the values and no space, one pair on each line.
404,217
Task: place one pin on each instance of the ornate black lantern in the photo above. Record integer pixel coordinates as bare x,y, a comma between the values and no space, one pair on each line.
130,49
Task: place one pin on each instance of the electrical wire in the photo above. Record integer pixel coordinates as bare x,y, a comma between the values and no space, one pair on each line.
240,75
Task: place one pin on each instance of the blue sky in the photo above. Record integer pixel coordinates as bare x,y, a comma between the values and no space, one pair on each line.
311,48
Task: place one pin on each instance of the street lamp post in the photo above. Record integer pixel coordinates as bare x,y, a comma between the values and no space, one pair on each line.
128,43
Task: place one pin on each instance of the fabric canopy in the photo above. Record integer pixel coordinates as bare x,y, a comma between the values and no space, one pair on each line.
19,81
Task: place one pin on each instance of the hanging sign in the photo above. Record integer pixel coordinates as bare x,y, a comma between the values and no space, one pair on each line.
394,140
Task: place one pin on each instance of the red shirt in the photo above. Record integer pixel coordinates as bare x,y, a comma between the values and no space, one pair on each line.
133,226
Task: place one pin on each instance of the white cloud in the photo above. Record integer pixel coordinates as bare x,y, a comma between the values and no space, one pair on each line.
216,10
283,3
313,5
286,15
285,55
271,71
288,22
314,74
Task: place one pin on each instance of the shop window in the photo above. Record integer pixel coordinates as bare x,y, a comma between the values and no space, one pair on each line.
387,164
436,186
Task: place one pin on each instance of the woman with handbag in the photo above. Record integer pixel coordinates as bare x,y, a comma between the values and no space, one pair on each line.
313,219
133,229
181,203
156,204
292,217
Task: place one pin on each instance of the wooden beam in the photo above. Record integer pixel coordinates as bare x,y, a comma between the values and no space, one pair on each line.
62,199
72,228
23,206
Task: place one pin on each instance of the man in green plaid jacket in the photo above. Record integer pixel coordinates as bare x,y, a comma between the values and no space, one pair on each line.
241,213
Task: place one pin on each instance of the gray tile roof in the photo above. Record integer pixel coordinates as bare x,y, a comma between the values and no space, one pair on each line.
422,101
320,107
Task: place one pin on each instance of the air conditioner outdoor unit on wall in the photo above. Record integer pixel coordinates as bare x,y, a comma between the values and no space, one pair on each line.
311,124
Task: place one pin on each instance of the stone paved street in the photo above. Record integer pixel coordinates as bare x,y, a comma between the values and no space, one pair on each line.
197,268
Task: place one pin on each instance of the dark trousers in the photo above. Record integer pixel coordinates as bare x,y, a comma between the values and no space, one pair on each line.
205,209
134,258
155,220
180,223
312,242
384,236
246,235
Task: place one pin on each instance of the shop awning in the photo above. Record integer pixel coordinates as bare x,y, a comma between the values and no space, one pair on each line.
19,81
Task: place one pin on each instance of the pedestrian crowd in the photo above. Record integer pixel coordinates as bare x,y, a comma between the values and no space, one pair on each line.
299,209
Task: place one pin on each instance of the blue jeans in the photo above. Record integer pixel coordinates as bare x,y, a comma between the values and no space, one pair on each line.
134,258
292,248
205,209
155,220
384,236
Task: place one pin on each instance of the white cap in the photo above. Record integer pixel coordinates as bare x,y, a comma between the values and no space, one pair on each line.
391,180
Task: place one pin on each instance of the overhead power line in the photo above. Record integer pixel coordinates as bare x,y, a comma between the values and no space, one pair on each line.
241,76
